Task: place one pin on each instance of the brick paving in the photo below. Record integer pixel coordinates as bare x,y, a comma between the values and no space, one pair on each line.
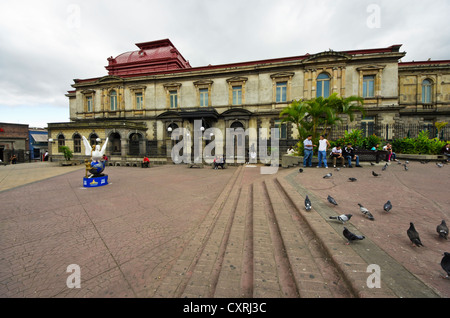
172,232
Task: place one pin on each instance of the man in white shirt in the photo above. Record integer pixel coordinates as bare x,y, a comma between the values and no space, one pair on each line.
308,151
336,153
322,151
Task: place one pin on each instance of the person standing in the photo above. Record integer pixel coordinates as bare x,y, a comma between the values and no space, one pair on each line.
308,147
322,151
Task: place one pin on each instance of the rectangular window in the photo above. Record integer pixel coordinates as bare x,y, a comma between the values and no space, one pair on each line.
139,101
323,88
426,94
237,95
113,101
281,92
203,97
367,126
368,86
173,95
282,129
89,104
77,145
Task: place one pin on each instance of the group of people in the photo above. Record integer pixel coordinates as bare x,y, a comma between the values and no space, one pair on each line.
346,154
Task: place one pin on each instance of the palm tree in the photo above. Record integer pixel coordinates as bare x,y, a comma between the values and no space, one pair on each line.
295,113
318,111
347,106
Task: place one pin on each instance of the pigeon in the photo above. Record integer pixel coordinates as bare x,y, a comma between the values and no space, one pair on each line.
328,175
440,165
406,167
407,162
372,164
442,230
375,174
300,170
384,167
366,212
387,206
413,235
352,179
445,263
337,169
307,204
332,200
399,163
351,236
343,218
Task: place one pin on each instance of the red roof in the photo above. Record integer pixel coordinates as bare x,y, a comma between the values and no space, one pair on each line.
152,56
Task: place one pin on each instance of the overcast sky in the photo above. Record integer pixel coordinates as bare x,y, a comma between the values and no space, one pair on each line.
44,45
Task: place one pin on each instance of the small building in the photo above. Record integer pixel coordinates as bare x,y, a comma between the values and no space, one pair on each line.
38,143
14,141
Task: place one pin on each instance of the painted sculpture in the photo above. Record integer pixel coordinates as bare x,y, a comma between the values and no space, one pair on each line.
94,170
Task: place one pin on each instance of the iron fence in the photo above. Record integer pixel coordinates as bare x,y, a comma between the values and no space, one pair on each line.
390,131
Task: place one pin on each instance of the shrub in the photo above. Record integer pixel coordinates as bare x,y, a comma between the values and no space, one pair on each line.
67,152
422,144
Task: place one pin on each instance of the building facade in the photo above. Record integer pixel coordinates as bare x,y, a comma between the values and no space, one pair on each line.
38,138
153,90
14,141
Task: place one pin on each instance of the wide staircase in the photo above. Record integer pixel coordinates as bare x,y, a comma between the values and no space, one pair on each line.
258,241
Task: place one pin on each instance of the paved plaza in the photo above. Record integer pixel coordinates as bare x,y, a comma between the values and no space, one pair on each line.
171,231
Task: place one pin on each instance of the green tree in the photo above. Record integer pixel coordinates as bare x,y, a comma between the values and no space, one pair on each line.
347,106
295,113
67,152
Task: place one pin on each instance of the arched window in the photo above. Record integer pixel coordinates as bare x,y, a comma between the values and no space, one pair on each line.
93,139
323,85
426,91
76,143
61,140
113,100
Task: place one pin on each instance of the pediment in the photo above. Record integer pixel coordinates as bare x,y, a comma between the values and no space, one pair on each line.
169,115
237,79
109,79
327,57
282,75
236,112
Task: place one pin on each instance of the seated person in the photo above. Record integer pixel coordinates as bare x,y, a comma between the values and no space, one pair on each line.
336,153
349,154
446,151
290,151
376,147
391,155
219,162
145,162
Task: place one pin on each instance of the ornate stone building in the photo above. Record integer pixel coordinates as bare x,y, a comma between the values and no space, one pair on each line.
152,90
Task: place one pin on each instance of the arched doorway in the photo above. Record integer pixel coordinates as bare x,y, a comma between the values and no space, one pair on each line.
116,146
135,144
239,141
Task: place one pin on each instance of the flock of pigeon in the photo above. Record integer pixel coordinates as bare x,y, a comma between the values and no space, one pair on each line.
412,233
